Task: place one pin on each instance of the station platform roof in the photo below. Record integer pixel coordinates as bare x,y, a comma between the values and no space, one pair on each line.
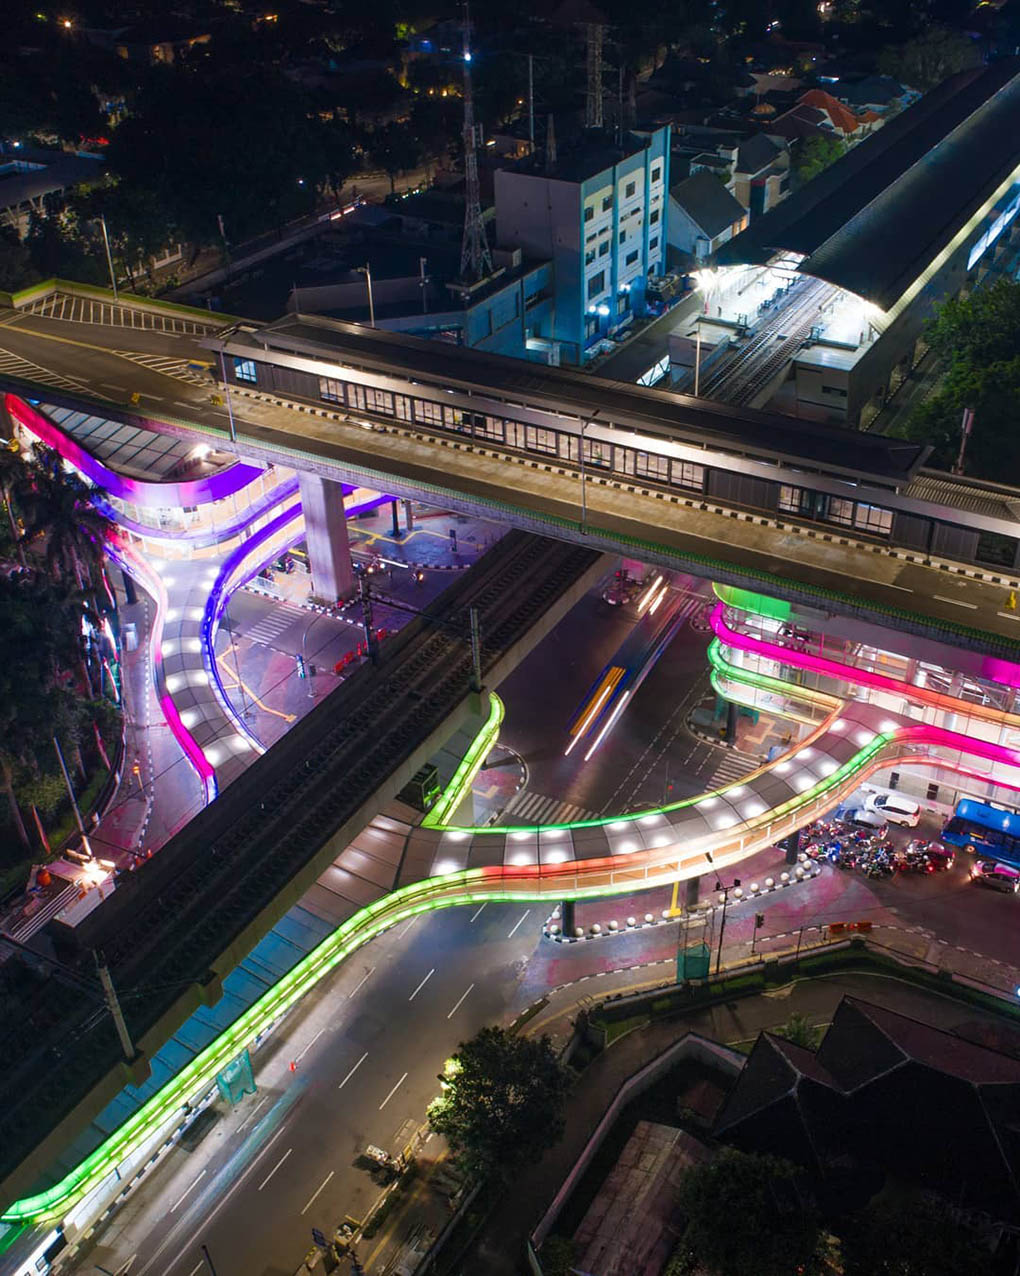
875,220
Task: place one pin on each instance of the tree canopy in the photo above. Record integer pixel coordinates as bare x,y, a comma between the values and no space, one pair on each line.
929,58
910,1235
978,338
745,1217
815,154
502,1102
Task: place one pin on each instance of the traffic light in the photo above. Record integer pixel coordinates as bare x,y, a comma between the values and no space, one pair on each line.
759,920
299,660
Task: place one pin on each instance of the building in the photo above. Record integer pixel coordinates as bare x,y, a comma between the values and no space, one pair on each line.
598,214
924,1106
29,176
703,216
907,217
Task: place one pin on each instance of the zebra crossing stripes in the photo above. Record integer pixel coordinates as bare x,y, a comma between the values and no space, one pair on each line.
179,369
62,305
537,809
25,369
271,626
734,766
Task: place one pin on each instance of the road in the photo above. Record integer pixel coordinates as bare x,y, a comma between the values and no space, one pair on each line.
111,362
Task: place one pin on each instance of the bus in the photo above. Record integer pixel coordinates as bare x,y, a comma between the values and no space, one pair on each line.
985,830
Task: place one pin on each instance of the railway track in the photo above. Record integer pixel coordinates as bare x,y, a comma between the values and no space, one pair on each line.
186,906
772,346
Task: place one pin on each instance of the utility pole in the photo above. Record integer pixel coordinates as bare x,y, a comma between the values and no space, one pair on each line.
965,428
113,1005
722,924
476,651
371,642
475,259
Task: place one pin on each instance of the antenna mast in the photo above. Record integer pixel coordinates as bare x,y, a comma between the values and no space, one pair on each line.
475,260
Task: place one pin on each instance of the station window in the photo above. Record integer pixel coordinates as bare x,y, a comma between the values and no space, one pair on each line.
330,390
598,454
841,511
789,499
403,405
688,474
647,465
872,518
244,370
538,440
356,396
379,400
490,427
995,549
430,412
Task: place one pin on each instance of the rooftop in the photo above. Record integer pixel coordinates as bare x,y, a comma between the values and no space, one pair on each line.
879,216
708,203
583,156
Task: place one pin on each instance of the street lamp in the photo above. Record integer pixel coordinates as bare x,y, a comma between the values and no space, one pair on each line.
722,925
109,257
304,651
366,270
584,492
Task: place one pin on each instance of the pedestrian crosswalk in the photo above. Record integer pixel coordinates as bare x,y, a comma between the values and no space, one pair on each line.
15,366
272,625
535,808
72,309
732,766
179,369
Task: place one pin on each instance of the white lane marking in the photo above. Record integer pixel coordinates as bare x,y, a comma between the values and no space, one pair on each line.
127,1266
422,984
353,1071
393,1092
459,1004
275,1168
212,1213
197,1268
311,1043
252,1113
476,914
957,602
527,911
317,1191
351,995
888,584
407,927
121,389
1008,615
186,1191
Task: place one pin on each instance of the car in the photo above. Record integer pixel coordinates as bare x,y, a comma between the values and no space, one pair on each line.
865,815
940,857
895,808
1000,877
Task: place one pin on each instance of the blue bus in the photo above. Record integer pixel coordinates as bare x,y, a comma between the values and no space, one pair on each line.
985,830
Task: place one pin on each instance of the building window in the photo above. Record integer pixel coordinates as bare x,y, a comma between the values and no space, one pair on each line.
656,173
653,217
538,440
841,511
330,390
629,190
623,303
244,370
490,427
598,454
632,257
834,391
604,248
596,284
623,236
589,212
872,518
457,419
356,396
607,203
653,244
430,412
687,474
789,499
403,407
589,256
995,549
379,400
651,467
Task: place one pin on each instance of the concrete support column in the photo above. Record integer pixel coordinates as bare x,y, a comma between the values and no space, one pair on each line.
329,554
395,532
568,923
692,891
408,516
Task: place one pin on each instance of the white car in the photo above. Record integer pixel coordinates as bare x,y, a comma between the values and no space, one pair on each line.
895,808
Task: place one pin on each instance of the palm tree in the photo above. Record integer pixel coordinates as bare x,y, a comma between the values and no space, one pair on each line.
13,476
61,509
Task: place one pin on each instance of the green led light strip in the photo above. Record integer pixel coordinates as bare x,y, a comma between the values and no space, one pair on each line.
470,765
468,886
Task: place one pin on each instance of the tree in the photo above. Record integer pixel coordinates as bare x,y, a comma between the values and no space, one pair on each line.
395,150
981,328
929,58
815,154
910,1235
745,1216
800,1030
502,1102
16,270
63,515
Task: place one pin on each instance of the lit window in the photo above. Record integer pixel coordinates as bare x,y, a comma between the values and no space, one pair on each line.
653,467
244,370
379,400
789,499
330,390
688,474
872,518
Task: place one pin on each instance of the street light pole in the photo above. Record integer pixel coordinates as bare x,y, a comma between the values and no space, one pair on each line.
722,924
230,405
109,256
584,474
74,800
366,270
304,652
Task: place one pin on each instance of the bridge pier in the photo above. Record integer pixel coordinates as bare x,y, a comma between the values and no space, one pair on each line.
329,553
568,922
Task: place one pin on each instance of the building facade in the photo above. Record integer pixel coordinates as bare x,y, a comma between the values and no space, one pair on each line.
599,215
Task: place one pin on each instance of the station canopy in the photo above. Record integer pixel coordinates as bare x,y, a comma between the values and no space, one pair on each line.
874,221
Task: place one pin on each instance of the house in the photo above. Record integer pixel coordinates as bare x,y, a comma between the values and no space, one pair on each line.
29,175
841,120
703,215
885,1091
880,94
760,172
